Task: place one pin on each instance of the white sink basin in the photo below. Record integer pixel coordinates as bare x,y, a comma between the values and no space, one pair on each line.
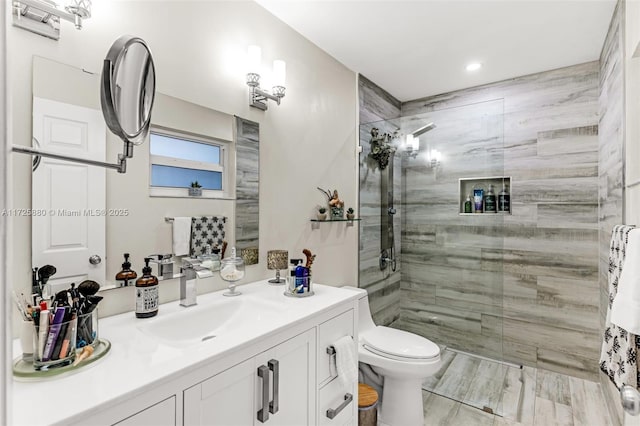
204,322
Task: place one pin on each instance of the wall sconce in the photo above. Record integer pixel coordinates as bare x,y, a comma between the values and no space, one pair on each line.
259,97
43,16
412,146
433,158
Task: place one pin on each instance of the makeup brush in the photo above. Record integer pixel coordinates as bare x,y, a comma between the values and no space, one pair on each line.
88,288
45,273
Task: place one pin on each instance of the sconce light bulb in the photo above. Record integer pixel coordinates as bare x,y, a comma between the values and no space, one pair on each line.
279,72
254,55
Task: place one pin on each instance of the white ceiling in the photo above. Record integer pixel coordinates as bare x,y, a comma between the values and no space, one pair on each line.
415,49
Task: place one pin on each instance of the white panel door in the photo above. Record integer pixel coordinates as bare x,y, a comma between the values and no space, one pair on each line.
68,199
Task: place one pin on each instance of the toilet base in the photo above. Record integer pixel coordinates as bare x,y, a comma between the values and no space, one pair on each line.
402,402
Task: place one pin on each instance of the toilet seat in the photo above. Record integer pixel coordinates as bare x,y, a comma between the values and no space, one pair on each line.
399,345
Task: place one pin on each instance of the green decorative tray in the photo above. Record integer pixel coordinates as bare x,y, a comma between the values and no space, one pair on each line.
24,369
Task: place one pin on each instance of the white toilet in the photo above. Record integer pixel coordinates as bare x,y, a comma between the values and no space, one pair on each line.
403,359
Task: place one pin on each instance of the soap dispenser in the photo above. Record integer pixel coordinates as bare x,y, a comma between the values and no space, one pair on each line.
146,293
127,276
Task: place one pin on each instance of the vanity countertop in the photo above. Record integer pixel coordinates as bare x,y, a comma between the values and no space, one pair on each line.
137,361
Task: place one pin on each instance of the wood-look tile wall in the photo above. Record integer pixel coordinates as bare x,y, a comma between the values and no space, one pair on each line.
611,160
376,105
523,287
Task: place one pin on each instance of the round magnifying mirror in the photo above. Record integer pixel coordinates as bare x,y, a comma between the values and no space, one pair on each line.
128,88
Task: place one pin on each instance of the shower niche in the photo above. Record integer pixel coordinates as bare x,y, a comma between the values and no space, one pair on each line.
466,187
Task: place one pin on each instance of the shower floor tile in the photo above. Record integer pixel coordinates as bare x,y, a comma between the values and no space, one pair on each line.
472,391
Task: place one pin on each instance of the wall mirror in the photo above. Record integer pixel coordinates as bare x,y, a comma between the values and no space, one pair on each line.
125,217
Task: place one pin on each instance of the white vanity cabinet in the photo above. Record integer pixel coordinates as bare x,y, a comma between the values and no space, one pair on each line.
273,372
276,387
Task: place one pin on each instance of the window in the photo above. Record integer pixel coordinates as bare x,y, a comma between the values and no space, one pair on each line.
177,159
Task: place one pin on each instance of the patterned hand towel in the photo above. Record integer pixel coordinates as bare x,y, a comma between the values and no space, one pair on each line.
618,358
206,230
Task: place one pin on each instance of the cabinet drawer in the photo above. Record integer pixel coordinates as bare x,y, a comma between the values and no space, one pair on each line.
161,414
328,332
332,396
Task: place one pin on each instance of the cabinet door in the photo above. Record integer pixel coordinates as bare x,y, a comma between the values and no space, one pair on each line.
225,399
161,414
295,378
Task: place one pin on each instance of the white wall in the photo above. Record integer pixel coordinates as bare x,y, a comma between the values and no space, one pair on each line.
5,304
198,47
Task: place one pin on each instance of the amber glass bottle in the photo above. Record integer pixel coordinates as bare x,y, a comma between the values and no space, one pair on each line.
126,277
146,293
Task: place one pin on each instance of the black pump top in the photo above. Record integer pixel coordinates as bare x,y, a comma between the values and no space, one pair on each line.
126,265
147,269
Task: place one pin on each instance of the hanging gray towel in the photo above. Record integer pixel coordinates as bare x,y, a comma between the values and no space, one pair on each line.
206,230
618,358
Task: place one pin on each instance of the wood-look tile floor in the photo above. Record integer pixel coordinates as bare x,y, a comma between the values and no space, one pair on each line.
465,385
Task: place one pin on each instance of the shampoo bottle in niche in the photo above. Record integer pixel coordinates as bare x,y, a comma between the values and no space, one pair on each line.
126,277
468,205
478,200
490,201
504,200
146,293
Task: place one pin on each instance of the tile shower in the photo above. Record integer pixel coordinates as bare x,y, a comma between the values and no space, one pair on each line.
521,288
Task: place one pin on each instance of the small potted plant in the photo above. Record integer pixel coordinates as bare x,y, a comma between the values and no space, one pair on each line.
322,213
350,214
195,190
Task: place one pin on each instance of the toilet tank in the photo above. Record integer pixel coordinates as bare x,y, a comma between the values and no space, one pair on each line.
365,320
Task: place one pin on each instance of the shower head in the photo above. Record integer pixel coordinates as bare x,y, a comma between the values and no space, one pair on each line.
423,129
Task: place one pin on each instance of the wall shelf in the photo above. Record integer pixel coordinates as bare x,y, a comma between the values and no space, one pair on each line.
335,220
467,185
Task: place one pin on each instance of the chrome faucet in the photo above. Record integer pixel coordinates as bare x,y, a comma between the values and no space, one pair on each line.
188,291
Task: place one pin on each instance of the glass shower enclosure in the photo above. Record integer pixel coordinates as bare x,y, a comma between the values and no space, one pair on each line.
430,266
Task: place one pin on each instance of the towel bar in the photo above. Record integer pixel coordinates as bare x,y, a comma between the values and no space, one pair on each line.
331,350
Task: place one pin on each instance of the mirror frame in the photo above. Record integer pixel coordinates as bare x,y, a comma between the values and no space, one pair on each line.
109,71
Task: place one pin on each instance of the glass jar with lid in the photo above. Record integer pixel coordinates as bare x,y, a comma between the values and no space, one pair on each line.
231,271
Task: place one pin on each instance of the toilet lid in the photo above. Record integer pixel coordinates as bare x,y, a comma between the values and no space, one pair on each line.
395,344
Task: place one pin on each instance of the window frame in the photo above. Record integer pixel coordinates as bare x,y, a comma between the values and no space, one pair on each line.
182,192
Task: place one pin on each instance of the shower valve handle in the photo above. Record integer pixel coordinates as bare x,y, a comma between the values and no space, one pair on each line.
391,210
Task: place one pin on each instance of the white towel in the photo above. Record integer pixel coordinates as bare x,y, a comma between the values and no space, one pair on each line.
625,310
181,236
346,361
619,354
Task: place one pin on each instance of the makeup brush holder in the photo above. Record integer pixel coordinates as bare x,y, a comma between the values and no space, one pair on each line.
299,287
88,329
55,346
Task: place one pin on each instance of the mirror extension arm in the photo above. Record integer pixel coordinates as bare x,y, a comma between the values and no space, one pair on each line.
121,166
127,91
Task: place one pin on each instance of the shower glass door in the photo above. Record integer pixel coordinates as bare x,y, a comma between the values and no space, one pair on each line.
448,283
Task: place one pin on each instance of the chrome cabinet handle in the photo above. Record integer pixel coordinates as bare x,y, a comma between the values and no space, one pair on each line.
263,413
274,366
332,412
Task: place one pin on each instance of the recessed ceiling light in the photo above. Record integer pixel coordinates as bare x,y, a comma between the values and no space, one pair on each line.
474,66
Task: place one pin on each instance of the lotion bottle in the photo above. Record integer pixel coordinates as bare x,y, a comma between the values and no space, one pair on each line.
490,201
504,200
147,293
127,276
468,205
